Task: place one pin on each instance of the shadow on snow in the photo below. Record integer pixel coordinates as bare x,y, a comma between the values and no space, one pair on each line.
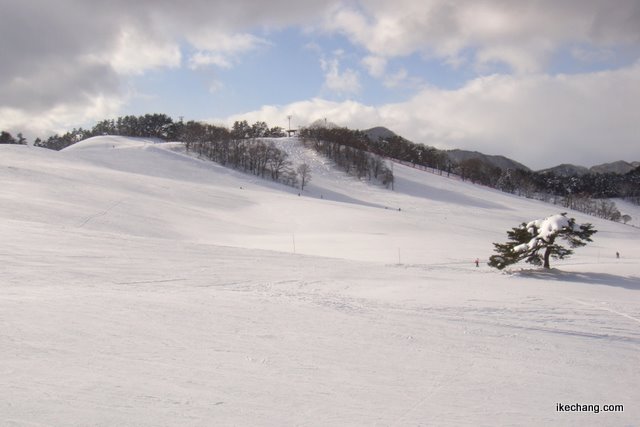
628,282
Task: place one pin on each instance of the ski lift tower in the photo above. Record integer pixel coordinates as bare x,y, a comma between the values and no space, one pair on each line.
290,131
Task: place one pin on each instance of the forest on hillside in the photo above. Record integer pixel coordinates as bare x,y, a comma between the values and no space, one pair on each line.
242,147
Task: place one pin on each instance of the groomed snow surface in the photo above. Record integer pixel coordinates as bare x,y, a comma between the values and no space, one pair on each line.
141,286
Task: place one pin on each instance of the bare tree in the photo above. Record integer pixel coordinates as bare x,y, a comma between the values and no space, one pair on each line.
277,162
304,171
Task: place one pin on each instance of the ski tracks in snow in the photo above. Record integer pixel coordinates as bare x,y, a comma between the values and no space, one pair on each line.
600,307
99,214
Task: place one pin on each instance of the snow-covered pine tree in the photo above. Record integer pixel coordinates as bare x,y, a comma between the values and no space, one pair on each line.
537,241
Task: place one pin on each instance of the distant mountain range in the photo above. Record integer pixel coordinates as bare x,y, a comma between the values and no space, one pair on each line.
620,167
457,156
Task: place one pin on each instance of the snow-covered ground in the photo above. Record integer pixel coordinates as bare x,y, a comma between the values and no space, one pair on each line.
141,286
631,209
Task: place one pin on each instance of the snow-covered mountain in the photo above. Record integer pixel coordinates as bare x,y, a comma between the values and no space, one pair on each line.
143,286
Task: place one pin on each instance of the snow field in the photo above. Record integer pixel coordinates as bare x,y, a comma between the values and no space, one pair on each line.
144,287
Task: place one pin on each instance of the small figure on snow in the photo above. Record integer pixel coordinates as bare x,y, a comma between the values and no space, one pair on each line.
477,262
617,254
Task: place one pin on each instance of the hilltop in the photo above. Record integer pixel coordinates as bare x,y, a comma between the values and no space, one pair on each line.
501,162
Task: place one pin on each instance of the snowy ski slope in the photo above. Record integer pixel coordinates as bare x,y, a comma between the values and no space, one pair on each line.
142,286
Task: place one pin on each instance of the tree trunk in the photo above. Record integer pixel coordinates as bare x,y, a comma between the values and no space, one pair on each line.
547,255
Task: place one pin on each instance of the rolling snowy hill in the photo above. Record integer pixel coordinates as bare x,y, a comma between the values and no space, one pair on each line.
142,286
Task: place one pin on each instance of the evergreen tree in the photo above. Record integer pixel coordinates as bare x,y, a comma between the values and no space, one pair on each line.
7,138
537,241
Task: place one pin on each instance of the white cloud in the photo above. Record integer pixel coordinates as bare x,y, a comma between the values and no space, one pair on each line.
225,42
220,49
215,86
522,35
90,47
343,83
377,68
60,118
202,59
137,52
592,55
67,54
520,60
375,65
396,79
538,120
303,113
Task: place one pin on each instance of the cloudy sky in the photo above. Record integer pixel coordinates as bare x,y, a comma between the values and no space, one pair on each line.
543,82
